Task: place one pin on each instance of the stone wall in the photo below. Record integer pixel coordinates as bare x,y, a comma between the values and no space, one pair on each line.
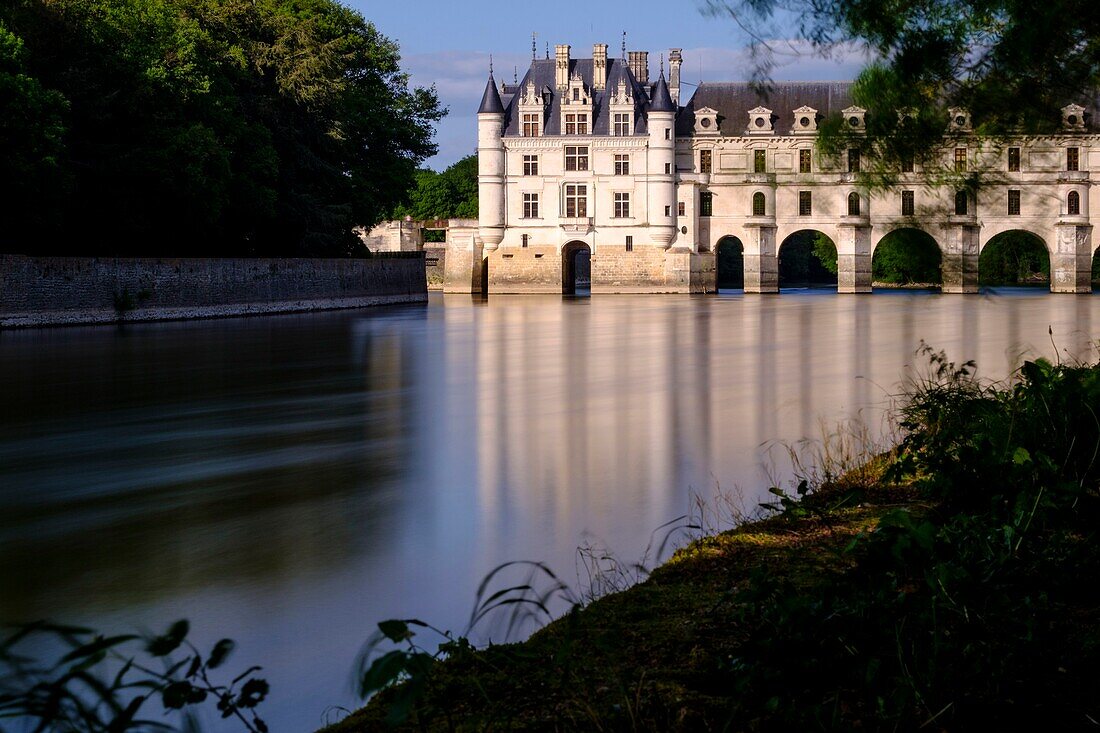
46,291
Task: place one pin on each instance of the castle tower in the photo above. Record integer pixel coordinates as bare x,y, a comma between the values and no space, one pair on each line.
490,166
662,165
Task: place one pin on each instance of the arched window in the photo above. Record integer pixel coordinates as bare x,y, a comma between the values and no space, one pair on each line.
1073,204
853,204
758,204
960,203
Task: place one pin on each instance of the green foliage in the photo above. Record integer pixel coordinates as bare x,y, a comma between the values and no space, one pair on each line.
907,256
1014,258
103,684
825,252
451,194
211,127
807,257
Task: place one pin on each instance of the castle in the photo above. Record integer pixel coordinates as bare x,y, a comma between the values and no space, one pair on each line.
592,156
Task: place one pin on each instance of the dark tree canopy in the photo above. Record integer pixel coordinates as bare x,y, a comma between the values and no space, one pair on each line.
1012,64
907,257
451,194
202,127
1014,258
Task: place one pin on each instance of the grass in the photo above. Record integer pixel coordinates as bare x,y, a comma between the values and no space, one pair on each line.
952,583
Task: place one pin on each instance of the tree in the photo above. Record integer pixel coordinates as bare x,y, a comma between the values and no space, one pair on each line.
1012,65
451,194
907,256
1014,258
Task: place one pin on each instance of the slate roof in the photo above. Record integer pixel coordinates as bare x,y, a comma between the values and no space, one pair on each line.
662,100
733,100
490,100
542,72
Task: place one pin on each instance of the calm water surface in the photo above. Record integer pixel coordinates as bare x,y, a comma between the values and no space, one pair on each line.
289,481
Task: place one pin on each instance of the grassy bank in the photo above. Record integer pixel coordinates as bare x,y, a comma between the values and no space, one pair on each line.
952,584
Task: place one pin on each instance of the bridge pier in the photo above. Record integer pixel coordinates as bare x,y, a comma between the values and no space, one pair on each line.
853,258
960,256
1071,260
761,262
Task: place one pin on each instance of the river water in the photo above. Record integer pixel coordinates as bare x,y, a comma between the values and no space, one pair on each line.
290,481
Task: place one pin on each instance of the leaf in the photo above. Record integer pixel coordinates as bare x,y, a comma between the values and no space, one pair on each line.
220,653
395,630
161,646
1021,456
253,693
383,671
100,644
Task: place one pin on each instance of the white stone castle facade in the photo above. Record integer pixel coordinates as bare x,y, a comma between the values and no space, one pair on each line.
591,154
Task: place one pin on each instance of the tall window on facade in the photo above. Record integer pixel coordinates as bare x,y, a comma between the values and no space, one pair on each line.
760,161
576,200
530,206
804,165
668,133
525,239
706,161
1014,159
853,204
681,208
759,205
576,124
530,165
629,243
622,165
1073,204
622,125
706,203
1013,202
668,169
853,160
805,203
1073,160
576,94
622,205
531,125
960,203
960,160
907,203
906,165
576,158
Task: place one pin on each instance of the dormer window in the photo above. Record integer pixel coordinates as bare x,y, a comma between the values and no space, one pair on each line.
805,120
760,121
1073,117
855,118
621,107
960,119
531,125
576,108
706,121
576,94
576,124
532,109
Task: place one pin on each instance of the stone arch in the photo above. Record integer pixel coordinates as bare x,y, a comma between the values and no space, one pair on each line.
880,234
799,265
573,268
1015,256
992,230
729,263
906,256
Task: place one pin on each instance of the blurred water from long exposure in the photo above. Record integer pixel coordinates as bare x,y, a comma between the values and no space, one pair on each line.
290,481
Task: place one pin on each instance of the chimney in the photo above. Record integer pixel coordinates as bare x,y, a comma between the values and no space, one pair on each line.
561,67
599,67
639,65
675,59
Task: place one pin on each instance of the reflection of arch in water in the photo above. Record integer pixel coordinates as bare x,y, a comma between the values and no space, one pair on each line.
729,263
798,263
575,267
907,255
1014,257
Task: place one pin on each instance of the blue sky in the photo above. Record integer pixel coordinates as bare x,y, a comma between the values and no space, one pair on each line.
447,43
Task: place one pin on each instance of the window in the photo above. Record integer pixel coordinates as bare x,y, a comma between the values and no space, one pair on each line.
853,160
907,203
1014,159
960,160
760,161
622,124
525,239
668,133
759,205
1072,159
853,204
960,203
804,165
622,205
576,124
576,200
681,208
906,165
622,165
706,161
530,165
629,243
530,206
531,125
1073,204
576,94
576,158
805,203
668,169
706,203
1013,202
668,211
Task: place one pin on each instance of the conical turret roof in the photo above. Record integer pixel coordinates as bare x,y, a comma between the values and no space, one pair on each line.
662,100
490,101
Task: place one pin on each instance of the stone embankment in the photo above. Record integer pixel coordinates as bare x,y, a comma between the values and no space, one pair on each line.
56,291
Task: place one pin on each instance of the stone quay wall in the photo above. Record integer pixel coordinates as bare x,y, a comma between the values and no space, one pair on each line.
55,291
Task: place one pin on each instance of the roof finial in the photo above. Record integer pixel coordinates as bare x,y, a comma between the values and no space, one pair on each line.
515,75
624,46
548,50
534,47
490,64
662,65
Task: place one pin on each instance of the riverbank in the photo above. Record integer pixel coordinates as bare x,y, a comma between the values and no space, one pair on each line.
65,291
951,584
